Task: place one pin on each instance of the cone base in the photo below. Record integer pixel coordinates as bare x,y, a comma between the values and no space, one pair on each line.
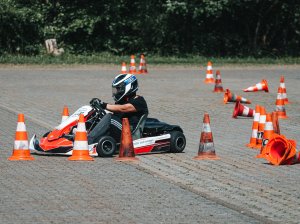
251,145
260,156
209,81
20,154
126,159
206,156
80,155
282,116
258,146
219,91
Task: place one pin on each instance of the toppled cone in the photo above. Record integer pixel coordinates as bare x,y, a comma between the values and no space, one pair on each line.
21,150
206,146
281,151
262,86
242,111
80,149
126,152
231,97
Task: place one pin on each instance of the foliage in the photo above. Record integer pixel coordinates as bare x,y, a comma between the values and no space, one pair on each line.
164,27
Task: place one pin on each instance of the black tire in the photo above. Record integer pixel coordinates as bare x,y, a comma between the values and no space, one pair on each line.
106,146
178,142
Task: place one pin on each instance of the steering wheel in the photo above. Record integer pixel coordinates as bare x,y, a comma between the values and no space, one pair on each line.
96,104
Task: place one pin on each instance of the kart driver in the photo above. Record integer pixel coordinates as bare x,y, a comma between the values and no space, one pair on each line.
127,105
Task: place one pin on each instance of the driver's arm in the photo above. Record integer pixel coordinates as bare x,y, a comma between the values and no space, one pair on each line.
125,108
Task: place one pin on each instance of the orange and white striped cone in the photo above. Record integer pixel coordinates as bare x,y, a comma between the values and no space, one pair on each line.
262,86
142,66
65,114
132,68
275,122
80,149
253,137
206,146
242,111
284,95
261,127
268,132
209,74
231,97
123,68
280,108
126,152
21,150
218,83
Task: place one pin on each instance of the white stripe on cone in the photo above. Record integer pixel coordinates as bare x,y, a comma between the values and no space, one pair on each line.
23,144
21,126
80,145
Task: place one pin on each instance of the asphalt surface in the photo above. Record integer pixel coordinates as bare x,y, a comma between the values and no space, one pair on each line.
160,188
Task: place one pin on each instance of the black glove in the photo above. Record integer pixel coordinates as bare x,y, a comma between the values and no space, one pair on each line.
95,102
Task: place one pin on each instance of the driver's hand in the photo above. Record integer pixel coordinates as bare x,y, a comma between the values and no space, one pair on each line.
95,102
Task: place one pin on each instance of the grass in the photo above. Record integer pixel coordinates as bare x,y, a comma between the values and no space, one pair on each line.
107,58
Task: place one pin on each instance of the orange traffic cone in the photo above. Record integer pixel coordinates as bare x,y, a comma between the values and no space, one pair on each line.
65,114
253,137
261,127
284,95
281,151
268,132
218,83
142,67
275,123
126,152
209,74
231,97
206,145
132,68
21,150
241,110
80,149
280,108
123,68
263,85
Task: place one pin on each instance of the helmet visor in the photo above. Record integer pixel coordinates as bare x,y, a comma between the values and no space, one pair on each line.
117,92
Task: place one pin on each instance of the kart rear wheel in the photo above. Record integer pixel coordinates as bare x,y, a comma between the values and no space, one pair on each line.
178,142
106,146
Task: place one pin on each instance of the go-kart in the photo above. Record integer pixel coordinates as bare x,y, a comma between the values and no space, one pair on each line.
149,136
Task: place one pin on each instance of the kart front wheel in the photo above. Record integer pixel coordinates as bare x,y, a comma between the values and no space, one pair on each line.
178,142
106,146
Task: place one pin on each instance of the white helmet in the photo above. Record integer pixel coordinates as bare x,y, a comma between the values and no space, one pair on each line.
124,85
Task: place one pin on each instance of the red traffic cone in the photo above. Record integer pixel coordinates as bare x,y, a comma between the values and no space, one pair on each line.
241,110
132,68
21,150
209,74
123,68
275,122
231,97
80,149
206,145
261,127
253,137
142,66
262,86
284,95
268,132
218,83
280,108
126,152
282,151
65,114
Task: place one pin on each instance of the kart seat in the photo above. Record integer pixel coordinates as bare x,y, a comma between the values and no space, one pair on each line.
137,132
